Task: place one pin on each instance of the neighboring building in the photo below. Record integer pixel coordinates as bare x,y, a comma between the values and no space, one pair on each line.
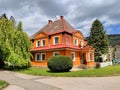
60,38
110,53
117,52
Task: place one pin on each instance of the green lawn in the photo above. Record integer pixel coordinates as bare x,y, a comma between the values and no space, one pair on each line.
106,71
3,84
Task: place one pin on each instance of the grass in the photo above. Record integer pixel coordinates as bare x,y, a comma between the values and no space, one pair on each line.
101,72
3,84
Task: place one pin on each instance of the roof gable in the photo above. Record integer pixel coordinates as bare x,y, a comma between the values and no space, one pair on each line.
57,26
78,34
41,35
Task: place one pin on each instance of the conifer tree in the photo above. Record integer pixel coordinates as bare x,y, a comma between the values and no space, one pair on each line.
98,39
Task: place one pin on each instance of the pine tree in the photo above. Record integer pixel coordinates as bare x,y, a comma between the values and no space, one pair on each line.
98,39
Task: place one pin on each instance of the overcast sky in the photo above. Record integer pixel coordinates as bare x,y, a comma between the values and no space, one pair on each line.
79,13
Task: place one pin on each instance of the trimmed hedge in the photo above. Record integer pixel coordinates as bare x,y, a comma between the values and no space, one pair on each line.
60,63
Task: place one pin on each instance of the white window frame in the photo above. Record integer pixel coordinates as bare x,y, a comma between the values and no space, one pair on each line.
41,57
55,53
36,57
54,40
74,56
37,43
76,42
42,42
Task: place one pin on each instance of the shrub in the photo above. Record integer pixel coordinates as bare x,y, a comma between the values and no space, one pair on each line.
60,63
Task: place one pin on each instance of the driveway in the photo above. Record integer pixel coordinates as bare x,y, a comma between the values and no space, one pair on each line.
29,82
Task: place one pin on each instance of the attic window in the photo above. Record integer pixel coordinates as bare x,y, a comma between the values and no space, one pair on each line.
37,43
43,42
56,40
76,42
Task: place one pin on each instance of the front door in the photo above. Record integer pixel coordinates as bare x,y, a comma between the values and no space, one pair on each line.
83,58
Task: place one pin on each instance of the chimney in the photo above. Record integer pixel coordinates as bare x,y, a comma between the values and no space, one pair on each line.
49,21
61,17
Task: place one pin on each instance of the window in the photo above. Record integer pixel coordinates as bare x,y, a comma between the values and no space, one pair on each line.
76,42
90,56
37,57
55,53
56,40
43,42
81,43
73,56
37,43
40,56
43,56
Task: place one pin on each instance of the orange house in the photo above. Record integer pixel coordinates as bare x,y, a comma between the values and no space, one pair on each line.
60,38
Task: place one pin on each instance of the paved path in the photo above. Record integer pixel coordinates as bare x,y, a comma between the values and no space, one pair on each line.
89,83
24,82
29,82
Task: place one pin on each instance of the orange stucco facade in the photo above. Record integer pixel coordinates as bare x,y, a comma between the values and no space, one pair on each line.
61,42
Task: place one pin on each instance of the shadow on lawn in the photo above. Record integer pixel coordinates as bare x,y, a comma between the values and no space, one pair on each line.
49,71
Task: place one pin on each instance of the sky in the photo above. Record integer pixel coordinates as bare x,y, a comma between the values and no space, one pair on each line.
35,14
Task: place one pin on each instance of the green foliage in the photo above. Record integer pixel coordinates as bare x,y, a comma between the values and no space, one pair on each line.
3,84
114,39
60,63
19,27
14,44
98,39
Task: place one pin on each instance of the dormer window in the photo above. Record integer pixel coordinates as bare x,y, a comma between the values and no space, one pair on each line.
76,41
43,42
37,43
56,40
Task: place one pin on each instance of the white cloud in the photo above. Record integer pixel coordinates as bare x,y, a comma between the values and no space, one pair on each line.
80,13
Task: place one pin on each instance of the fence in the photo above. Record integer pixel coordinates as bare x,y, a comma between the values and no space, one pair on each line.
104,64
